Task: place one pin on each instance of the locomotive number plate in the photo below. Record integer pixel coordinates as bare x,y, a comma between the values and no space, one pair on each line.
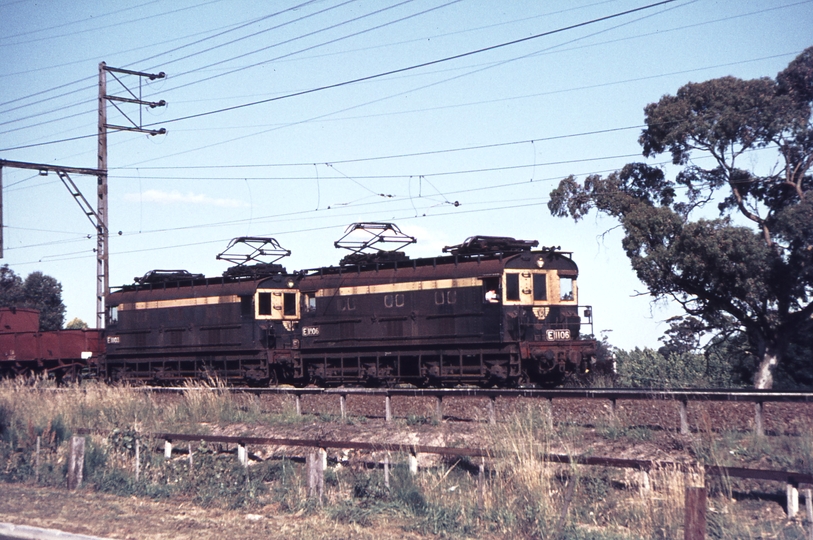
113,339
310,331
557,335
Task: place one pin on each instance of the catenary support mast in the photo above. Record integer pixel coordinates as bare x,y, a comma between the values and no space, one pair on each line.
99,216
102,236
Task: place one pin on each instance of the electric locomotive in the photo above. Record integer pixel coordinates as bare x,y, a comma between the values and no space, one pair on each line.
490,311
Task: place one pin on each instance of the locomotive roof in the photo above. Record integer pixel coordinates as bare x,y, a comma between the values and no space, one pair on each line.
447,267
443,267
200,287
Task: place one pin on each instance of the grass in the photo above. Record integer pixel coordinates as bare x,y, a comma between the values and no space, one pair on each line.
517,496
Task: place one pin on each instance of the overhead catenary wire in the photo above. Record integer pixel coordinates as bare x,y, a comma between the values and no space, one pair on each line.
288,216
287,219
380,176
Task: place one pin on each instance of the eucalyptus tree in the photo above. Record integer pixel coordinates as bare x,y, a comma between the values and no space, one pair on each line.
732,241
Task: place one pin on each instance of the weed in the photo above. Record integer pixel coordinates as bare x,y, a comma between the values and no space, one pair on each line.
416,420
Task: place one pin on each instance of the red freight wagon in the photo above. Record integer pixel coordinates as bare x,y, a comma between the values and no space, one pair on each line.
24,350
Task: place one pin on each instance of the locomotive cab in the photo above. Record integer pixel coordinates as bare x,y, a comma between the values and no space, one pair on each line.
540,300
277,304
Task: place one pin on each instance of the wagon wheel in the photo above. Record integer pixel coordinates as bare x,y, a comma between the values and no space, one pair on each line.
68,376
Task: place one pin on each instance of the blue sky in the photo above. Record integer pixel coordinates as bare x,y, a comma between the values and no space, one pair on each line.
472,145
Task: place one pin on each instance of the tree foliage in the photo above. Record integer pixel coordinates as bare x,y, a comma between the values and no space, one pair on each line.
76,324
38,291
648,368
748,265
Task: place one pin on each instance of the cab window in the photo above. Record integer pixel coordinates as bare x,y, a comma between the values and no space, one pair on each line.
113,315
512,287
566,288
277,304
264,303
289,304
540,287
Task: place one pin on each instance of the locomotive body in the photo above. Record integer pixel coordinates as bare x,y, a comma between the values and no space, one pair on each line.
508,316
24,350
482,319
181,326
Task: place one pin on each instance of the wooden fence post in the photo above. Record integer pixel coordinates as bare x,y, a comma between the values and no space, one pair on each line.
549,414
316,474
808,491
242,454
137,458
492,410
438,409
571,487
323,458
387,470
167,449
645,486
191,463
684,417
413,463
37,460
759,421
792,494
388,408
298,404
694,524
481,484
76,462
343,405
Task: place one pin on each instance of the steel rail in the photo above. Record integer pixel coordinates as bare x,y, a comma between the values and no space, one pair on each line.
742,395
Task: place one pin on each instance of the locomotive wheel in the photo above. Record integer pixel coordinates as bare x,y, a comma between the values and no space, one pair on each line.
273,379
522,380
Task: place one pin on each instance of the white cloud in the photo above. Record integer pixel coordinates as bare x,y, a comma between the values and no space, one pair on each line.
176,197
430,242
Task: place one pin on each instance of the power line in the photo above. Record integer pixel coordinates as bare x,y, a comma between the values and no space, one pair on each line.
421,65
97,28
482,102
233,28
363,104
271,29
69,23
318,45
286,217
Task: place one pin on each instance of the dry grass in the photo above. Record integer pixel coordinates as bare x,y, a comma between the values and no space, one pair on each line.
519,496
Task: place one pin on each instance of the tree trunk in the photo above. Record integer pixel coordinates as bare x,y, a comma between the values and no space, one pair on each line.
763,379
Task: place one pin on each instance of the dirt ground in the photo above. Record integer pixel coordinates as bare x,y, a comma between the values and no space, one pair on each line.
464,425
108,516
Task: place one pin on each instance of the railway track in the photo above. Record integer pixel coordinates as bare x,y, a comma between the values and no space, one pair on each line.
681,408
